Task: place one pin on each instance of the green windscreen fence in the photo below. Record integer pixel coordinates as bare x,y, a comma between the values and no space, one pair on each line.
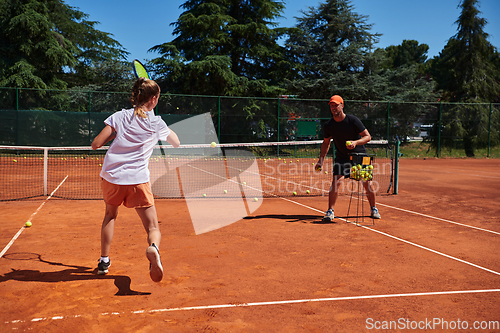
57,118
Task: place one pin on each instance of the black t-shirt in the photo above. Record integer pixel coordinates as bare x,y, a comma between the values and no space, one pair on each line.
346,130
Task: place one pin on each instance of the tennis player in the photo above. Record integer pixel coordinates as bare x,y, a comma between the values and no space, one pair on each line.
342,128
125,173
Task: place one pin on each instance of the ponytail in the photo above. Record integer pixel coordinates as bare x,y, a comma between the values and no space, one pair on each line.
142,91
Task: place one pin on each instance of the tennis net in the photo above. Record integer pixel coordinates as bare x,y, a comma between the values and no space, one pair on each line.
267,169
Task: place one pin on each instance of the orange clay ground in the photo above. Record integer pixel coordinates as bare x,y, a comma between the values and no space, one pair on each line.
433,260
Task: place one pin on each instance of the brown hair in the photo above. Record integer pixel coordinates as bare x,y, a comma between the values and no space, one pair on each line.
142,91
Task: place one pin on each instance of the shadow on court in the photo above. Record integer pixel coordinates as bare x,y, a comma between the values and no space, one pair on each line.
72,273
292,218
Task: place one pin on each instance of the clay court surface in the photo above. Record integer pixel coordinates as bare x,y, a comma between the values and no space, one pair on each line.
433,260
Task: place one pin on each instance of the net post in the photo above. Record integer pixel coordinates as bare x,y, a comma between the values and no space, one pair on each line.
45,163
396,169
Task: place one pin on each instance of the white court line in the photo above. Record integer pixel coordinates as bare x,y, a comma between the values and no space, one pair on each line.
428,249
391,236
29,220
243,305
220,306
405,241
438,218
385,205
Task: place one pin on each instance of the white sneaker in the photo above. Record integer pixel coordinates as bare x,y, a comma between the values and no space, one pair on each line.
155,267
375,213
329,216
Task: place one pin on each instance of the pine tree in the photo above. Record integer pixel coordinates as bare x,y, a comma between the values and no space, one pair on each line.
48,44
465,71
331,50
222,46
410,52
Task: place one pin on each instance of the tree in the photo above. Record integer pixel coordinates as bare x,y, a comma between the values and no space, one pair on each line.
330,50
410,52
48,44
465,72
221,47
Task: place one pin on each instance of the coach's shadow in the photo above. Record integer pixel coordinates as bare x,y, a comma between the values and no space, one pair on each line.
73,273
292,218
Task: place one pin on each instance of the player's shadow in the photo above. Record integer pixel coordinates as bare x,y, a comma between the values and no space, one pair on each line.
72,273
291,218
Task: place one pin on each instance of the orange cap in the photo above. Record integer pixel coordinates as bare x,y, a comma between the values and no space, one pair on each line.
336,99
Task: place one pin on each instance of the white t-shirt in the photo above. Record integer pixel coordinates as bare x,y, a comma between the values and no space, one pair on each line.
127,159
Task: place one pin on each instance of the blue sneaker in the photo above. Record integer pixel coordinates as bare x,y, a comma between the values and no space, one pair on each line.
375,213
329,216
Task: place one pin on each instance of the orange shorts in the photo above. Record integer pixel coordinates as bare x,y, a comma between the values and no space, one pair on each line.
132,196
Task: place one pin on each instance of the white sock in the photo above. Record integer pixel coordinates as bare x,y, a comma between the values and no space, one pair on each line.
105,259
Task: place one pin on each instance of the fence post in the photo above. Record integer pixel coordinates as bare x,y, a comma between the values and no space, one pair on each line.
17,117
388,110
439,131
278,136
489,130
218,120
90,106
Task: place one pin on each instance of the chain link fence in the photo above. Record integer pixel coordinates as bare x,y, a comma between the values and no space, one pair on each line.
58,118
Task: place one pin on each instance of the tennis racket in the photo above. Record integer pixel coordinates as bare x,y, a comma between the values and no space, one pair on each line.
140,70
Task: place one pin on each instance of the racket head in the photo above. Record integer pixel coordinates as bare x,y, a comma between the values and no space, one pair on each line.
140,70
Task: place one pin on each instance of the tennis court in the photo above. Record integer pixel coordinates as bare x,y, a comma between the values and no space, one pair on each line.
431,263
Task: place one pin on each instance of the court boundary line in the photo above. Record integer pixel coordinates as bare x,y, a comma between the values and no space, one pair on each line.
385,234
268,303
382,204
440,219
406,241
16,236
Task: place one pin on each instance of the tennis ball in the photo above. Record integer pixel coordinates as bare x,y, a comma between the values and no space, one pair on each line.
225,191
244,183
15,160
204,195
308,192
213,144
255,199
294,193
28,224
348,143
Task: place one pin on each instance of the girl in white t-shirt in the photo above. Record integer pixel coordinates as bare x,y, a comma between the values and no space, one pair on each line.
125,173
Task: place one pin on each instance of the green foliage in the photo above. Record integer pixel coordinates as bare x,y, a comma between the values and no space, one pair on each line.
466,73
48,44
330,50
409,53
223,47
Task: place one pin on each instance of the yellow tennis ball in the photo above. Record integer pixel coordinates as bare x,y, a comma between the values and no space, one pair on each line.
294,193
308,192
225,191
348,143
204,195
28,224
255,199
213,144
